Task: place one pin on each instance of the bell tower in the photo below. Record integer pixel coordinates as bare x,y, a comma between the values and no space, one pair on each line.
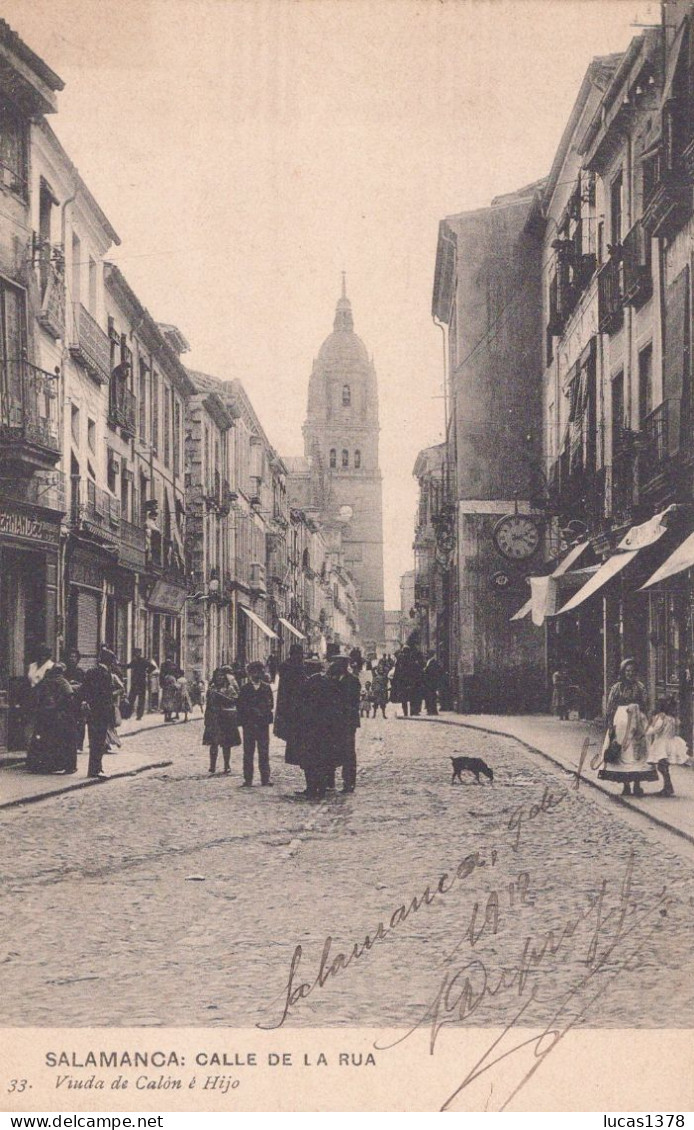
342,428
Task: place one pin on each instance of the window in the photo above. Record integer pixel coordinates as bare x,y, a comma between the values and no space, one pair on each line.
167,426
616,211
91,435
76,268
144,375
333,457
345,458
346,396
357,459
46,202
177,438
617,411
92,287
645,383
75,425
155,412
13,151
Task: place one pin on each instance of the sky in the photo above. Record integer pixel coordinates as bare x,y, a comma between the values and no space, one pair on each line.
249,151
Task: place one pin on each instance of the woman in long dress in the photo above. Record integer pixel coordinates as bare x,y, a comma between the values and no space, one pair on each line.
221,719
53,745
625,748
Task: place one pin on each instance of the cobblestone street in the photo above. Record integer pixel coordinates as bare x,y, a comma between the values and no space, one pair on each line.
176,898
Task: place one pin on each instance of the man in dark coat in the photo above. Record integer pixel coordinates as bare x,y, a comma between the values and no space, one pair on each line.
320,752
407,686
75,677
290,693
140,668
347,720
433,674
98,695
255,715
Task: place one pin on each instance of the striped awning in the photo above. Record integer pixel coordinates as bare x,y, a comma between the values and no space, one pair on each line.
259,623
290,628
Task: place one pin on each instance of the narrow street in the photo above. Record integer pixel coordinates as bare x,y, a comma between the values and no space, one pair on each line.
176,898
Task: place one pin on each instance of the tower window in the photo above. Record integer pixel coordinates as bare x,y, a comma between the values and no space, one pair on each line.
345,458
333,457
357,459
346,396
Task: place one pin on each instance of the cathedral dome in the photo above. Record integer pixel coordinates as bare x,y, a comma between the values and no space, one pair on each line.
343,349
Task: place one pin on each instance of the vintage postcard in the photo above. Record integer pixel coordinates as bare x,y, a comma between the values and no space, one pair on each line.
346,551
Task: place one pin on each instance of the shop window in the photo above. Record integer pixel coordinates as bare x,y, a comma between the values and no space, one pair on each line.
345,459
333,457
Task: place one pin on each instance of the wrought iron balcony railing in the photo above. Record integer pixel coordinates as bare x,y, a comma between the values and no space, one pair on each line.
90,346
94,509
28,411
122,406
610,296
653,442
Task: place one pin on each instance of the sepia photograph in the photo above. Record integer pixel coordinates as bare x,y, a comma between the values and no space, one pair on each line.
347,555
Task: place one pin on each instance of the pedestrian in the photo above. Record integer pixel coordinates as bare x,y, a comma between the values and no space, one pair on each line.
666,747
169,666
365,700
407,685
75,677
560,693
53,745
348,721
140,668
625,748
168,694
183,703
320,724
431,677
197,691
40,665
255,716
97,692
379,688
272,666
288,714
221,720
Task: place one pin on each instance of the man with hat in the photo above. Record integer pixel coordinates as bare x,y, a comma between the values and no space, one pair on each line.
347,720
98,696
255,715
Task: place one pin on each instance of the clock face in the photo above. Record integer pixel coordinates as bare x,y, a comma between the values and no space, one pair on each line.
517,536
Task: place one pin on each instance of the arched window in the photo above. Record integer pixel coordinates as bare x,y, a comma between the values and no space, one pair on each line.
306,559
346,396
345,458
333,457
357,459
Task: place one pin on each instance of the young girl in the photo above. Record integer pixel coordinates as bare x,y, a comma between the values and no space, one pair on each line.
221,719
183,705
666,748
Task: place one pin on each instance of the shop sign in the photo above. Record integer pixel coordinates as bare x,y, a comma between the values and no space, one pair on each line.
86,571
167,597
16,525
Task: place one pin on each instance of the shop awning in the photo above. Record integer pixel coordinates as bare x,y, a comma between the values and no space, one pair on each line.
638,538
605,573
677,562
524,611
167,597
290,627
259,623
570,559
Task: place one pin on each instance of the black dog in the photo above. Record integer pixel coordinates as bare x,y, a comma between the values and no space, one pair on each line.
474,765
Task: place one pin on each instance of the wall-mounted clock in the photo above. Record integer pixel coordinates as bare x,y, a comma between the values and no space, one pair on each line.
517,536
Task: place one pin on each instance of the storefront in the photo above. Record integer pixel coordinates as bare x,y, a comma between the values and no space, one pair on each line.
165,608
29,540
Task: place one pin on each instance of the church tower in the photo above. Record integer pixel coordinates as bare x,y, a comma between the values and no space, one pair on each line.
341,443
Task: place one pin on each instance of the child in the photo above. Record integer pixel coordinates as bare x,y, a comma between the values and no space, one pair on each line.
221,728
197,692
168,696
183,705
666,748
365,700
255,716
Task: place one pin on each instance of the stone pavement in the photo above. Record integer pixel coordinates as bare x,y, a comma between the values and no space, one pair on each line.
19,787
564,744
178,898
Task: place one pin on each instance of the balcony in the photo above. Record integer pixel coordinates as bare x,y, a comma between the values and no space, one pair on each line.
132,548
90,346
670,204
29,434
122,406
258,579
52,314
654,448
610,296
636,258
43,488
94,511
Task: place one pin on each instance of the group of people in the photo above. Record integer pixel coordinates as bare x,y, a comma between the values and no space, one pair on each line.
412,679
637,747
317,716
